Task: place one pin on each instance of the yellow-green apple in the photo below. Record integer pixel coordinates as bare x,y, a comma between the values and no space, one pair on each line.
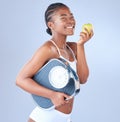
88,27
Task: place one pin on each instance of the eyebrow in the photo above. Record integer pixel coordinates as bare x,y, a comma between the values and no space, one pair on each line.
66,14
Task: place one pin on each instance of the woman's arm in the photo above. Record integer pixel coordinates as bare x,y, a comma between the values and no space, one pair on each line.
25,81
82,67
24,78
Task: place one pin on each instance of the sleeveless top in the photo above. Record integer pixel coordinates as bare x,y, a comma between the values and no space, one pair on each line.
71,63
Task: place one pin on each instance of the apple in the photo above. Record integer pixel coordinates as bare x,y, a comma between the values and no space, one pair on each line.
87,26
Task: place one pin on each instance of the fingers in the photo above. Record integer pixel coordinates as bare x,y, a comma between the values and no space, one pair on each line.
85,36
65,100
91,33
64,103
68,98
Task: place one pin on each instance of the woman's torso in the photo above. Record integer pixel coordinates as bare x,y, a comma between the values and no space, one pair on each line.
66,108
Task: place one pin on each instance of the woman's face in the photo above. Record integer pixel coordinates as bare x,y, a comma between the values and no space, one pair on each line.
63,22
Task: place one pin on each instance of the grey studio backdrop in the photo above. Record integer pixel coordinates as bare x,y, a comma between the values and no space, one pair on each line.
23,30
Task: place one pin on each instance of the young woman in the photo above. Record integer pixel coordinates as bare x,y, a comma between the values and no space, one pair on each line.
60,24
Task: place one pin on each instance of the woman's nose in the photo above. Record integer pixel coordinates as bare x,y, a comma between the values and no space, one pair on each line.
70,20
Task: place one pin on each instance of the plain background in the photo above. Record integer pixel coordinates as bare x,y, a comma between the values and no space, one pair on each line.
23,30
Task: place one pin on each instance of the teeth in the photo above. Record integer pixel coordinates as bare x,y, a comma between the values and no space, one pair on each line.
69,27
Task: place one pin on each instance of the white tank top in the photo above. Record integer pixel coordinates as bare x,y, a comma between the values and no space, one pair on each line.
71,63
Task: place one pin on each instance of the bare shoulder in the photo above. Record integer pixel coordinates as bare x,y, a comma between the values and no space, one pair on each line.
46,50
73,46
47,45
42,55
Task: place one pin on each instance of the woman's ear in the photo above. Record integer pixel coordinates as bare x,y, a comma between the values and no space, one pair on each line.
50,25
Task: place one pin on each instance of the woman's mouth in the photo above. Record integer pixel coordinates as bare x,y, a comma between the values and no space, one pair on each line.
70,27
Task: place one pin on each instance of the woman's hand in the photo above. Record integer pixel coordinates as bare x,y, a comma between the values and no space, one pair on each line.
85,36
59,99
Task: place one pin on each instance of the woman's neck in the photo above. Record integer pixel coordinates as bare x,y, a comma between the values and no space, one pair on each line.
60,41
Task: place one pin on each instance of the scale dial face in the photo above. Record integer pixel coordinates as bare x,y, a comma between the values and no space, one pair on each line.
58,77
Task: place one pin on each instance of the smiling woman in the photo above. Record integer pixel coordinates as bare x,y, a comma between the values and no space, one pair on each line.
62,18
60,24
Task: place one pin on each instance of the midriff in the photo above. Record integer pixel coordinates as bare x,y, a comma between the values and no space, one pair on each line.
67,107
